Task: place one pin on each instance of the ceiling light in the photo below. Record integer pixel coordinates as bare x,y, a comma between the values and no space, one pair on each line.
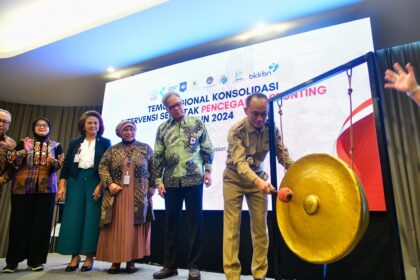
121,73
29,24
264,30
116,76
110,69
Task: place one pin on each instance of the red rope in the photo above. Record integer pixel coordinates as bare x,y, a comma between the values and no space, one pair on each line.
349,73
283,157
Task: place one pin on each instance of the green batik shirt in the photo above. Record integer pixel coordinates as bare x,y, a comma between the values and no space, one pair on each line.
183,151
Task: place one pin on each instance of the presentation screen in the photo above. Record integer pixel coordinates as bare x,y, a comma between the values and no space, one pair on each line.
214,88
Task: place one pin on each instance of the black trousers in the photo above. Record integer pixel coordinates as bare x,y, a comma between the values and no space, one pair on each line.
30,228
174,198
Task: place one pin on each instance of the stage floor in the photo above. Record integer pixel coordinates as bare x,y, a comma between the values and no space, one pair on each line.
54,269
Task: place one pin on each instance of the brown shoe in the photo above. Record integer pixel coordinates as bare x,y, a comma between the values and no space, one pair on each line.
165,273
131,267
114,269
194,274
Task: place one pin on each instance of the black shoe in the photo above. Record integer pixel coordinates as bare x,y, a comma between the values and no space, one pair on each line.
87,267
9,268
131,267
165,273
39,267
115,269
194,274
71,268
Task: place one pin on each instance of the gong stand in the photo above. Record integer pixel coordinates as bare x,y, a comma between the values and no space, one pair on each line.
328,213
321,206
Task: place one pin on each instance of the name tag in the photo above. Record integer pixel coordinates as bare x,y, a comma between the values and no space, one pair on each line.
126,179
76,158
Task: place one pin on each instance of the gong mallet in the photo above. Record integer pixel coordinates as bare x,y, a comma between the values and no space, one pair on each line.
284,194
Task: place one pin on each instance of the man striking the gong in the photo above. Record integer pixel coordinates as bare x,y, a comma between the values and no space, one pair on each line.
248,145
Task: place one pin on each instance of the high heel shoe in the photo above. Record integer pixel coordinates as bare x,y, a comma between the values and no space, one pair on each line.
71,268
87,267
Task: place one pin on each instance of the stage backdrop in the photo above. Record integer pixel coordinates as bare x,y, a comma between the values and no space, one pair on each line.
214,88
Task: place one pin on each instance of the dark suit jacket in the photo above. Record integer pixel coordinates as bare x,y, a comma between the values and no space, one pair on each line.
70,168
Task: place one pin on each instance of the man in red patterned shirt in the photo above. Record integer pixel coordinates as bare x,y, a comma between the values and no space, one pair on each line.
6,144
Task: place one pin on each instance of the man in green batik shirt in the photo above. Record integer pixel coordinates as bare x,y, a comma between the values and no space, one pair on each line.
182,161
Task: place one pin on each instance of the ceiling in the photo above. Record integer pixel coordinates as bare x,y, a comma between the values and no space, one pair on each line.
72,71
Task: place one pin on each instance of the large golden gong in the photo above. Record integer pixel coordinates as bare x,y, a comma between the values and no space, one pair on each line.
328,212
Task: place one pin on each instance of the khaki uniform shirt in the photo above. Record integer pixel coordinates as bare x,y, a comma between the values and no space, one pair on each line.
247,149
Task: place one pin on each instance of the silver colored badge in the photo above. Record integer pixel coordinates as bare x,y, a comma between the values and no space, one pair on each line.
265,176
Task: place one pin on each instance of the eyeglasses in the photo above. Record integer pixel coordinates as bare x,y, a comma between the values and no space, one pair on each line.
175,105
42,125
4,122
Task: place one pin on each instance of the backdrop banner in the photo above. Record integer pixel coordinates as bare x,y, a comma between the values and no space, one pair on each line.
214,88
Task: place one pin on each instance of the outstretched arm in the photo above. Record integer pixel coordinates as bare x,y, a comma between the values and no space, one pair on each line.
403,81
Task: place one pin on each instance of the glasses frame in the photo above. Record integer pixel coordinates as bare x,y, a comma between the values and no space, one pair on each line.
175,105
42,125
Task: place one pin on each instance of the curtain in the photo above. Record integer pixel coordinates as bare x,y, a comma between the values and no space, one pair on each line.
402,129
64,127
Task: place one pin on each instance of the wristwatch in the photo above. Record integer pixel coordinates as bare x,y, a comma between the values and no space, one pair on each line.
411,92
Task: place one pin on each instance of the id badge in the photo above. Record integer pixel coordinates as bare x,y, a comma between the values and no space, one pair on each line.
76,158
126,179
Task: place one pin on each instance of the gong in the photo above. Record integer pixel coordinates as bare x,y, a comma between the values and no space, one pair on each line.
327,213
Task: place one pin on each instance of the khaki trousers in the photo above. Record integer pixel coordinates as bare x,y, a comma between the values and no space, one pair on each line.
233,194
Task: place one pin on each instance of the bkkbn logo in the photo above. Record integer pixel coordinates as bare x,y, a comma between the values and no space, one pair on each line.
260,74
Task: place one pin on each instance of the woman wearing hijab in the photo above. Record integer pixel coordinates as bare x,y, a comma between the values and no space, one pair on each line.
126,214
34,185
81,187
